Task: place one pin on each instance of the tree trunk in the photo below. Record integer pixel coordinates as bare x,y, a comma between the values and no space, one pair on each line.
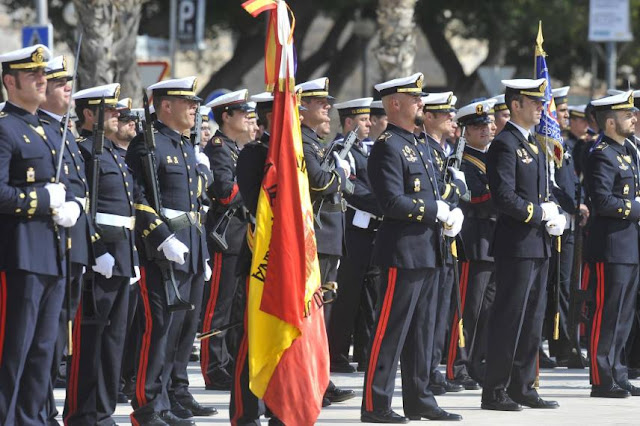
97,56
397,48
126,65
108,53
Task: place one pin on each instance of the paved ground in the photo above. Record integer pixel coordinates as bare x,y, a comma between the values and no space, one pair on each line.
569,387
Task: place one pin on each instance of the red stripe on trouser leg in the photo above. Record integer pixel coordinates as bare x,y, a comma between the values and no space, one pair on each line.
72,385
597,322
586,272
214,288
242,356
377,341
3,310
141,380
455,331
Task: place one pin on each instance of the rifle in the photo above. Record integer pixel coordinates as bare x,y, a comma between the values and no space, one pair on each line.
455,161
328,165
171,292
220,238
196,133
451,246
68,284
577,296
89,307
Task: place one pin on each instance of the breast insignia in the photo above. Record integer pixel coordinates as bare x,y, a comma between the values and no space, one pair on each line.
409,154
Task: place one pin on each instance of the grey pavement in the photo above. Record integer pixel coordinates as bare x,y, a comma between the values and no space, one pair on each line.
569,387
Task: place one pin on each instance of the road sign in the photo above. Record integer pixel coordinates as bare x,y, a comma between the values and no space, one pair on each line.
152,72
190,20
609,20
38,34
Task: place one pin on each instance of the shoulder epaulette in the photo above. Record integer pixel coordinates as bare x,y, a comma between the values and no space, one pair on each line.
384,136
600,146
217,140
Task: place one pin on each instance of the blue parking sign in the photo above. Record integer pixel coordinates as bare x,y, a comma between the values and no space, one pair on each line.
38,34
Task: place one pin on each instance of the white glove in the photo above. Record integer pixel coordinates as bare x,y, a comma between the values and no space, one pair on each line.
443,211
343,164
453,225
57,194
555,226
457,174
104,265
207,272
202,158
550,210
135,279
67,214
173,249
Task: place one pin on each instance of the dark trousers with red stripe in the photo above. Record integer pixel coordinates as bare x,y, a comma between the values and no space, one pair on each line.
560,348
351,289
93,381
63,331
135,322
515,327
328,265
30,307
179,378
404,330
215,360
162,330
244,407
477,289
616,289
443,318
365,321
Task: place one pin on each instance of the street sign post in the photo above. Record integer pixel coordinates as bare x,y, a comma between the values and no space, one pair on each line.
38,34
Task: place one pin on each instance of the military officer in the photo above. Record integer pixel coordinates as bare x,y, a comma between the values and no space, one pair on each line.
379,121
126,127
34,209
205,129
94,374
521,248
407,248
52,112
438,125
172,243
361,221
612,180
502,113
326,195
477,284
244,406
227,219
567,189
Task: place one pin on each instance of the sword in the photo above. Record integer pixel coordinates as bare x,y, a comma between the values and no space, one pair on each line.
216,331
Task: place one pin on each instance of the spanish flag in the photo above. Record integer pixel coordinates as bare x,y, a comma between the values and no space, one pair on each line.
288,350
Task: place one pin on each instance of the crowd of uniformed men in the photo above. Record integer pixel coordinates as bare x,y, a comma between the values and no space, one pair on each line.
143,244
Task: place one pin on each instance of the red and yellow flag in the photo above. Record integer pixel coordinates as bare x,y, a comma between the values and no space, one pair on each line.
288,350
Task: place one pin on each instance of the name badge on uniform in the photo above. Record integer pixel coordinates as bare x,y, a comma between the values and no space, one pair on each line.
410,154
416,185
31,175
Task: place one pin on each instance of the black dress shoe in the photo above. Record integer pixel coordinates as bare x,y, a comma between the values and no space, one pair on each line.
501,402
438,414
339,395
437,389
452,387
178,409
325,401
633,390
172,420
342,368
195,407
467,382
382,417
220,380
545,361
538,403
613,391
152,419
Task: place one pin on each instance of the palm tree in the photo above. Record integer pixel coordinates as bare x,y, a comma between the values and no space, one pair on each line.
397,40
